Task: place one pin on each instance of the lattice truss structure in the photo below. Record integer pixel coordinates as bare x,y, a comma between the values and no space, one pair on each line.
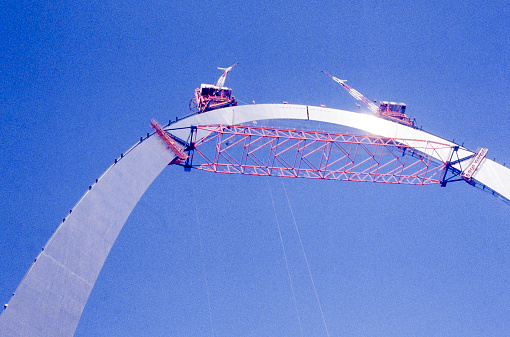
316,155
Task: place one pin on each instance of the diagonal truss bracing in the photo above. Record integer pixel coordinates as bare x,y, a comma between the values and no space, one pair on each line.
316,155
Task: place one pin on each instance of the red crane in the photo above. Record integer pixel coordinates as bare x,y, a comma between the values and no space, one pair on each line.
391,110
210,97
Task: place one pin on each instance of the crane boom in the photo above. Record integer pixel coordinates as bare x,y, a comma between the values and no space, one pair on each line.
389,110
355,93
221,80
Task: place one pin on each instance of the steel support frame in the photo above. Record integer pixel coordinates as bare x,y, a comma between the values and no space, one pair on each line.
181,157
452,174
315,155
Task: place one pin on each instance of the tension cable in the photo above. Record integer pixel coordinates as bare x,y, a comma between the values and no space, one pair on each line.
306,259
285,256
203,257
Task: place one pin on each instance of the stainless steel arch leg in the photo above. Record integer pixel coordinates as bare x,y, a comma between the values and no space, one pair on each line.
51,297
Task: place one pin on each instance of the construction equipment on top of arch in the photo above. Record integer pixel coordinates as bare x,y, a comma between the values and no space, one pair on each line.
391,110
210,97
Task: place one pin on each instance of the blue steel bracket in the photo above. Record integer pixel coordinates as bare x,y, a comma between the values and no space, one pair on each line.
449,169
190,147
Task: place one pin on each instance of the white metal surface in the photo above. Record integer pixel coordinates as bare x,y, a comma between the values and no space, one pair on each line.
475,162
489,173
50,299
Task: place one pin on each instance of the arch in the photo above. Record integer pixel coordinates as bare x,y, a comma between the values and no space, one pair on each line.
52,295
490,174
50,299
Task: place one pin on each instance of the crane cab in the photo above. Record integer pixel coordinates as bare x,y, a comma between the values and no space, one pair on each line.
210,97
396,111
212,91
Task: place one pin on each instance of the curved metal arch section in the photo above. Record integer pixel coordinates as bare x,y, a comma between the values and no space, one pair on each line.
51,297
491,174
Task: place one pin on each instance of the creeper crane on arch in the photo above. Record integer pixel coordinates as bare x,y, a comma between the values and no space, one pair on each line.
210,97
389,110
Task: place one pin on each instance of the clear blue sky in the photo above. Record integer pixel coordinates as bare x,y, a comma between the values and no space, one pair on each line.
80,81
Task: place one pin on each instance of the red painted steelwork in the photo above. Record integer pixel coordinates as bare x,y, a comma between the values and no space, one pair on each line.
181,156
316,155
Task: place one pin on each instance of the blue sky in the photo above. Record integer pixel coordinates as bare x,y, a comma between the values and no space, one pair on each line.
80,82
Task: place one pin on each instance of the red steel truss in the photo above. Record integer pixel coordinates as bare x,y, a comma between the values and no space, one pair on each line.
180,155
316,155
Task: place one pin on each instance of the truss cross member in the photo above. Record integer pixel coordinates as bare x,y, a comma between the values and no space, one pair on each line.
458,173
171,144
315,155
